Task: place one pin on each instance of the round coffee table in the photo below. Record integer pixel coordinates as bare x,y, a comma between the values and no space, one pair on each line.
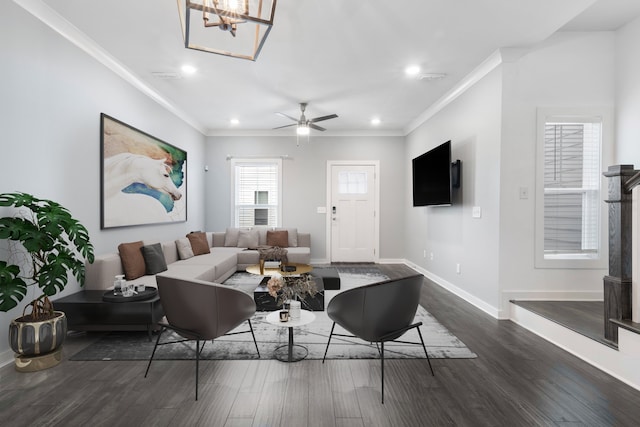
290,352
300,269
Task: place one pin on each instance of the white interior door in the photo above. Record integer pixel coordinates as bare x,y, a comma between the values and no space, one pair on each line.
353,213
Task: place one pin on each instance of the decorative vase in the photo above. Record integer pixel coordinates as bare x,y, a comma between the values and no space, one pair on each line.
294,309
37,344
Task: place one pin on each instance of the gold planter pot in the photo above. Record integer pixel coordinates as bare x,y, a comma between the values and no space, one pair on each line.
38,344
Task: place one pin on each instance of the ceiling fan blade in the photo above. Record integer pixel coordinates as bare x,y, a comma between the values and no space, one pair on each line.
287,116
319,119
316,127
286,126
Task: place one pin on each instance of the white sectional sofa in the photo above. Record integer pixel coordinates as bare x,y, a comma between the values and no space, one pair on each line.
229,251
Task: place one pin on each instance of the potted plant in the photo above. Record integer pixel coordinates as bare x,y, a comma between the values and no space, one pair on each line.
44,244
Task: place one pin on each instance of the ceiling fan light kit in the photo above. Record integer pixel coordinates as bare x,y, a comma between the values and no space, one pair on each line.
235,28
304,125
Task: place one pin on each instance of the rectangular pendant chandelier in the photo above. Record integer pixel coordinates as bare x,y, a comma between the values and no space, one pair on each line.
235,28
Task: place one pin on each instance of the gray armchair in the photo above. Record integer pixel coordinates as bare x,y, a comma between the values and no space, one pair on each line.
378,313
200,311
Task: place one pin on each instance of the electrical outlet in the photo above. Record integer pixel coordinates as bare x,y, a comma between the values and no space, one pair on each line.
424,253
458,268
431,256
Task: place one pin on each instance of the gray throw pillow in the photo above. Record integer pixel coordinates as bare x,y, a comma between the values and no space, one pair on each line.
248,239
231,237
153,258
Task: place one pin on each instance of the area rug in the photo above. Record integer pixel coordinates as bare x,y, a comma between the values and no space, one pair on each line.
136,346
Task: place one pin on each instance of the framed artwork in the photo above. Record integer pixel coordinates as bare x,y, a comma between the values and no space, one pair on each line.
143,178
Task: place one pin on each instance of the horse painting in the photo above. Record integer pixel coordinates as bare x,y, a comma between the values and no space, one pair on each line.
139,190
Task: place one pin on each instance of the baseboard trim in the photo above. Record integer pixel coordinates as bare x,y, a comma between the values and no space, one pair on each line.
6,357
471,299
618,364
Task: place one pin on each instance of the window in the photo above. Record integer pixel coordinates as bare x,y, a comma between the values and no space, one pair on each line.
352,183
570,203
256,192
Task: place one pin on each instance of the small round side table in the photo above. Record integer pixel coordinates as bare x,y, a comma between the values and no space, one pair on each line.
291,352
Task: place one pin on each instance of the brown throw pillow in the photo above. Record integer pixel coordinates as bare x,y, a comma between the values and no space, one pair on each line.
278,238
199,243
132,260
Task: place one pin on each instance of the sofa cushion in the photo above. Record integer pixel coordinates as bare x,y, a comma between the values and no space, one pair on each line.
248,239
153,258
248,257
199,243
299,255
170,251
132,259
231,237
217,239
262,235
184,271
278,238
184,248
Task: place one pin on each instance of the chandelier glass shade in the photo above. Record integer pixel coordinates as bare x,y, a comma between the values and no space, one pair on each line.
236,28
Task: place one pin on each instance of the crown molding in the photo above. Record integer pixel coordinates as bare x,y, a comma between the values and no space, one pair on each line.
57,23
313,135
500,56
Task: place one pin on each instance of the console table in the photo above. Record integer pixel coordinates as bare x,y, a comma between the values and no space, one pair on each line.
86,311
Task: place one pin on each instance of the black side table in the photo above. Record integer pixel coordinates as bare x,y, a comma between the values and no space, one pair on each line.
87,311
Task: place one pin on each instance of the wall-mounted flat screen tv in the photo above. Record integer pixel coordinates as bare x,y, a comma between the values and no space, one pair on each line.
434,176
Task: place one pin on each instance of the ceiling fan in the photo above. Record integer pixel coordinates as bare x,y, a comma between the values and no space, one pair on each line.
303,124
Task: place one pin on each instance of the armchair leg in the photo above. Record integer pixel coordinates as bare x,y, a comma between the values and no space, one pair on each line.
327,349
197,363
254,337
154,351
382,369
425,351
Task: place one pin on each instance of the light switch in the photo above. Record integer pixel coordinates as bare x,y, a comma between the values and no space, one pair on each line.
321,210
477,212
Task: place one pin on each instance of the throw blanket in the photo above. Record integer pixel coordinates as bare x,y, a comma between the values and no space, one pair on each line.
275,253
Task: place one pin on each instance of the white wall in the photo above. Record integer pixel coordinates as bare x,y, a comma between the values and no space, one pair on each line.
628,127
567,70
627,80
51,97
304,182
493,130
472,123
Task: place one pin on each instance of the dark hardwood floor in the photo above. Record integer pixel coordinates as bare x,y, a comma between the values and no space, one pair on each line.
518,379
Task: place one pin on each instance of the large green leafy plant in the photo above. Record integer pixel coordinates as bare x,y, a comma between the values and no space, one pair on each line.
45,243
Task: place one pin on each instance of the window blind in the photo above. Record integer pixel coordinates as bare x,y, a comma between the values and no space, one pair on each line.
572,187
256,194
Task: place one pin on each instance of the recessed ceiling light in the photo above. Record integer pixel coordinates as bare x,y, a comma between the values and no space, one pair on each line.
189,69
234,121
375,121
412,70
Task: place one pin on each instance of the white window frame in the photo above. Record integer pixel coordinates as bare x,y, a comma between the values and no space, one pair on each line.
600,259
252,161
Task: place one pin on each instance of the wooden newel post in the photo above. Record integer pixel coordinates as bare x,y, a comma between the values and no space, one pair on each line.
617,284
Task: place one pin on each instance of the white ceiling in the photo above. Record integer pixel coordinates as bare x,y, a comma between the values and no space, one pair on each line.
341,56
